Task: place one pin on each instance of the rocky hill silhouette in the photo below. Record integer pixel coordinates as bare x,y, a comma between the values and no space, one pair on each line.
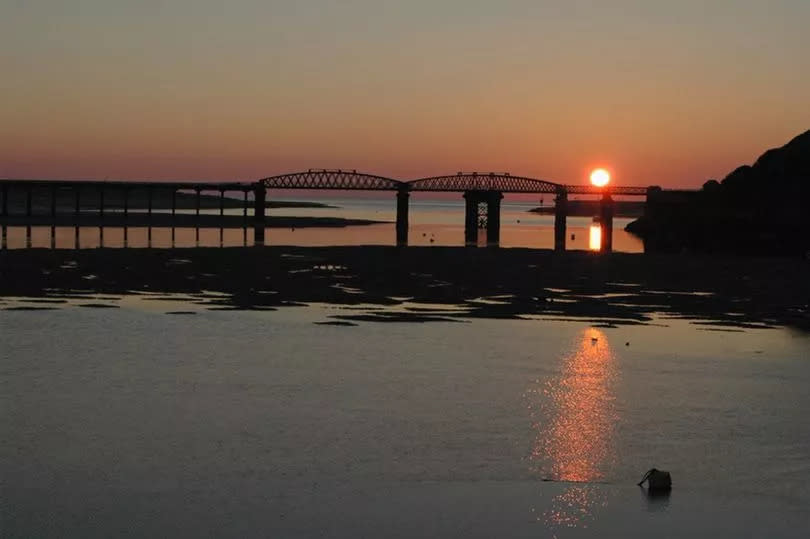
757,209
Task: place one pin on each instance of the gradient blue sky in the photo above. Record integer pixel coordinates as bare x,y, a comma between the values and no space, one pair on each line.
668,93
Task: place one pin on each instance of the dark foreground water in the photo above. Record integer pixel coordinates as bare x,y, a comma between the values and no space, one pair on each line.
132,422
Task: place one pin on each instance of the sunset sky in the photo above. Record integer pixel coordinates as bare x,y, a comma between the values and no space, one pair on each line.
669,93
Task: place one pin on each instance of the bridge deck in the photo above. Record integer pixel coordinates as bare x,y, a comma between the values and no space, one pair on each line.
126,184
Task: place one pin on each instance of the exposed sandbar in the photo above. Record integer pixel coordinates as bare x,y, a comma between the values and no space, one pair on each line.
498,283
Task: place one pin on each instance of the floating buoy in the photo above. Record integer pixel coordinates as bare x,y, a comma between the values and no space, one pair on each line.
657,480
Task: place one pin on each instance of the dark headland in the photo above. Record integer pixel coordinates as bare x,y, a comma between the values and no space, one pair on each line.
756,209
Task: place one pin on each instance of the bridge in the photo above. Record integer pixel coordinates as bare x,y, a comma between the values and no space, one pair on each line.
482,192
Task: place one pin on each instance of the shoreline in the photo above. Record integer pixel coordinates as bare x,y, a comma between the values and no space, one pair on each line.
395,284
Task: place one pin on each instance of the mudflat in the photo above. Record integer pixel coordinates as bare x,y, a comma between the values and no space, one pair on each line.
392,283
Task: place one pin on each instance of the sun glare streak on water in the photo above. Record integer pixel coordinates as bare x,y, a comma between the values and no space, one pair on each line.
574,433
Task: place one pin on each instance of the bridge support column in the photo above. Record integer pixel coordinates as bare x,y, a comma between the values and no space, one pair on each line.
197,217
221,217
76,213
402,217
126,216
101,216
149,195
3,215
560,216
53,217
244,218
260,194
28,203
494,218
174,213
606,220
471,218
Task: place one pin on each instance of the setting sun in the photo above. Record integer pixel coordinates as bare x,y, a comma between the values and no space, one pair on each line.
600,177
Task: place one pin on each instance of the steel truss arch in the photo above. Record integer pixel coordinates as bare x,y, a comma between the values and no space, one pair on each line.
487,181
332,179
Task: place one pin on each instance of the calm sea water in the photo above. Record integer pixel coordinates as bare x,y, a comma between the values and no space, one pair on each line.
131,422
432,222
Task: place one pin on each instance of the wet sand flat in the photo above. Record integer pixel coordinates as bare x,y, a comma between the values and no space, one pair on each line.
493,283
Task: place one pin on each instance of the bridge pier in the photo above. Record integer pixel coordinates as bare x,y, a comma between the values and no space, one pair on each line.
244,217
53,217
560,216
402,217
76,212
471,218
174,213
149,218
126,216
28,213
260,194
494,218
197,192
4,215
606,220
101,216
493,201
221,216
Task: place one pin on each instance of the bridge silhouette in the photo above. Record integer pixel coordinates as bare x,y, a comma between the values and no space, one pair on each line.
352,180
482,192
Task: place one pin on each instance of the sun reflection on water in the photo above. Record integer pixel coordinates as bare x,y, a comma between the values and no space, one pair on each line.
595,238
574,417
